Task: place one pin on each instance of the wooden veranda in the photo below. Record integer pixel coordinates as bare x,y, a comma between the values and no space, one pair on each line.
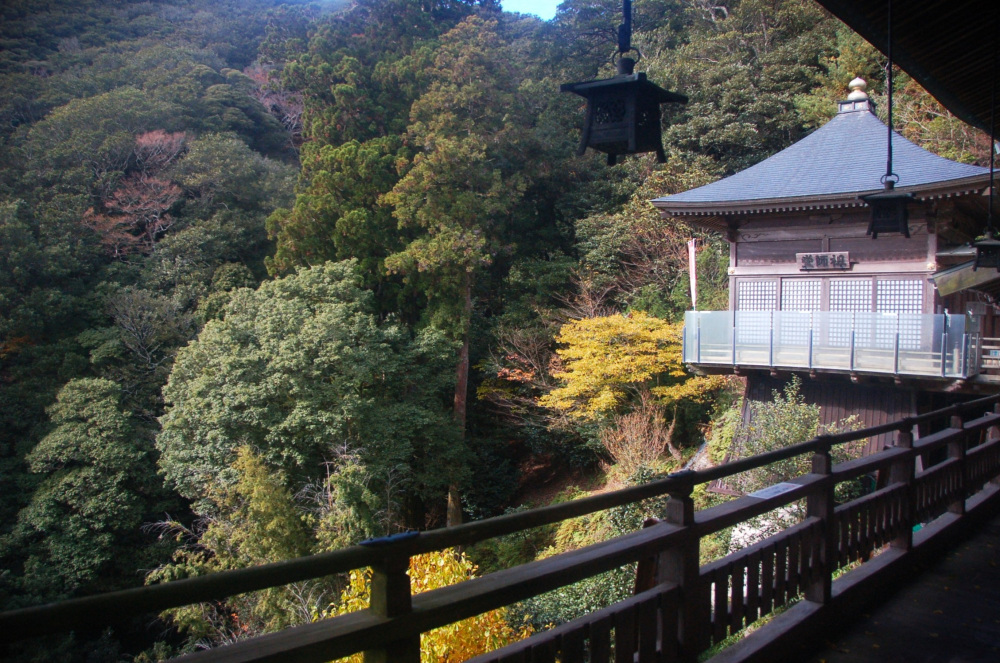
680,609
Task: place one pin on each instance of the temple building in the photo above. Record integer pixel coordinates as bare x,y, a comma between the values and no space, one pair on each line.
881,327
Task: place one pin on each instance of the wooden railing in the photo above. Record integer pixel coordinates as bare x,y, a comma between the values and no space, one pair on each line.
989,355
679,609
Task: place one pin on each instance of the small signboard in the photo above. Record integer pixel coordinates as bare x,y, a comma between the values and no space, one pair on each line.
774,491
817,261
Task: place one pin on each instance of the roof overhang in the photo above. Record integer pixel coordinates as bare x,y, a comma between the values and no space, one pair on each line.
946,46
965,277
713,212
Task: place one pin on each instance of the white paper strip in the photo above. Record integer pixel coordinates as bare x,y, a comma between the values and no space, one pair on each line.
773,491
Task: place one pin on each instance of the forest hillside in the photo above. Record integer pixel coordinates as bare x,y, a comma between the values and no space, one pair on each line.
280,276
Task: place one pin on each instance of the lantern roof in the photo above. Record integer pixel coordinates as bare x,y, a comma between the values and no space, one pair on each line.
831,168
637,80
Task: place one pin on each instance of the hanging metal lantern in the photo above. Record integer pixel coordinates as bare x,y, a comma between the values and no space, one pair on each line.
890,213
623,112
987,253
889,209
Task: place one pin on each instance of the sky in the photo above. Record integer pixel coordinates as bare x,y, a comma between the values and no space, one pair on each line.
545,9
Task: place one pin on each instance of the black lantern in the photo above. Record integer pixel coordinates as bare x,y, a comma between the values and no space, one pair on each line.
987,253
889,208
623,112
889,211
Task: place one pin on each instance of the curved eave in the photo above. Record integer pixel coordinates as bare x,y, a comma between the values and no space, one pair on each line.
717,211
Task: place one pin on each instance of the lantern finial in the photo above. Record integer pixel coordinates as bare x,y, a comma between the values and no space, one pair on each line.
857,88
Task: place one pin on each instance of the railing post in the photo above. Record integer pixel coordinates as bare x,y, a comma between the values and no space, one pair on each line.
956,449
770,340
390,597
732,329
965,356
681,565
698,339
902,471
810,342
821,504
895,353
944,351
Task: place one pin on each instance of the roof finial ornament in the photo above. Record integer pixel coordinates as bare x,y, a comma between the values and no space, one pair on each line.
857,88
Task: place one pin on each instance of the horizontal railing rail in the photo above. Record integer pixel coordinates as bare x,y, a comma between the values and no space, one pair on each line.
710,603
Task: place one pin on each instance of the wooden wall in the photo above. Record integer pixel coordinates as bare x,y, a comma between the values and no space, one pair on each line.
874,404
776,240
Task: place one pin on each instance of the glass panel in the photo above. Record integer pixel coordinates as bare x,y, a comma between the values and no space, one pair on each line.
792,338
689,345
875,343
714,334
920,344
832,339
753,337
849,295
955,352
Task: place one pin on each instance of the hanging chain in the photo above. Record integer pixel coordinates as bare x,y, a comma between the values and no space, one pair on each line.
625,29
993,128
889,175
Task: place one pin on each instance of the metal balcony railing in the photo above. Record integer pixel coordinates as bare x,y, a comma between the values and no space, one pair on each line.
927,345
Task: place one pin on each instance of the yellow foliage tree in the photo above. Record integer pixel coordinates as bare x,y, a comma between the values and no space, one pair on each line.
455,642
606,359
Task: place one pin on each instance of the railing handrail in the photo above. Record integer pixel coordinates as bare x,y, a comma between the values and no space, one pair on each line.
108,608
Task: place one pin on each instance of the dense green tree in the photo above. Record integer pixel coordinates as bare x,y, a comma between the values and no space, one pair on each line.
742,67
302,371
98,92
339,216
98,483
86,145
463,183
255,521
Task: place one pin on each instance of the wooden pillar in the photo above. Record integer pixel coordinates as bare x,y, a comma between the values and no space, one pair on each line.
390,597
820,504
956,450
902,471
680,565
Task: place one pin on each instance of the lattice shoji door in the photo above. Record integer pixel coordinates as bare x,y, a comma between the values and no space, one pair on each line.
853,295
798,296
751,296
905,297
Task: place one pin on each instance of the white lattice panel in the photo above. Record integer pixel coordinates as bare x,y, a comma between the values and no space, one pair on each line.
900,296
757,295
850,295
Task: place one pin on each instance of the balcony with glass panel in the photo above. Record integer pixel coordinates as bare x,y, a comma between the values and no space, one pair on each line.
898,344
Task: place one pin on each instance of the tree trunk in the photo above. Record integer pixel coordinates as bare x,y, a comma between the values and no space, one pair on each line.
674,451
461,396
